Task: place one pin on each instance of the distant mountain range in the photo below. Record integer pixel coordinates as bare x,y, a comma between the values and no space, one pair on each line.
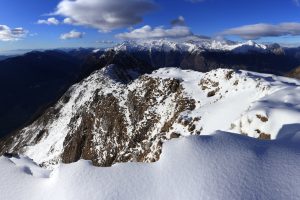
205,55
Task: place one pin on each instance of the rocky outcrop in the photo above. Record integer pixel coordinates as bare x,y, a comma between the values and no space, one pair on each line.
105,120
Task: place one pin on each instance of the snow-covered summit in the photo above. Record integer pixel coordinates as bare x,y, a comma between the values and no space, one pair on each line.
242,47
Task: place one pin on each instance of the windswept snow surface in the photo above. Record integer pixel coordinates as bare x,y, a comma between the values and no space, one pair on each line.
221,166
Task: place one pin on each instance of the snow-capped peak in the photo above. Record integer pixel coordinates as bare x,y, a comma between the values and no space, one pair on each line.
190,46
96,50
151,45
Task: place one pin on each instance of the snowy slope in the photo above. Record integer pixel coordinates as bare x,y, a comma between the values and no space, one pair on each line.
222,166
107,121
238,101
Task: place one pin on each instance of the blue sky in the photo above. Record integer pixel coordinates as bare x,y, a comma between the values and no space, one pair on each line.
95,23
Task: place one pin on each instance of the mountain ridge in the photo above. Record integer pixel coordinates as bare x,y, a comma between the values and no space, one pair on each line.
116,116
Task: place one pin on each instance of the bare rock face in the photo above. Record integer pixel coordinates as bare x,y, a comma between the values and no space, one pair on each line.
104,120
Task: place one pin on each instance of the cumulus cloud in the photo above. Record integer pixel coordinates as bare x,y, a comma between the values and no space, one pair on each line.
180,21
257,31
72,35
9,34
49,21
147,32
105,15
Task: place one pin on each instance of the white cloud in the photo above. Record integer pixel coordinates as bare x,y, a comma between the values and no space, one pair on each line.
257,31
104,15
147,32
180,21
68,20
49,21
8,34
72,35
